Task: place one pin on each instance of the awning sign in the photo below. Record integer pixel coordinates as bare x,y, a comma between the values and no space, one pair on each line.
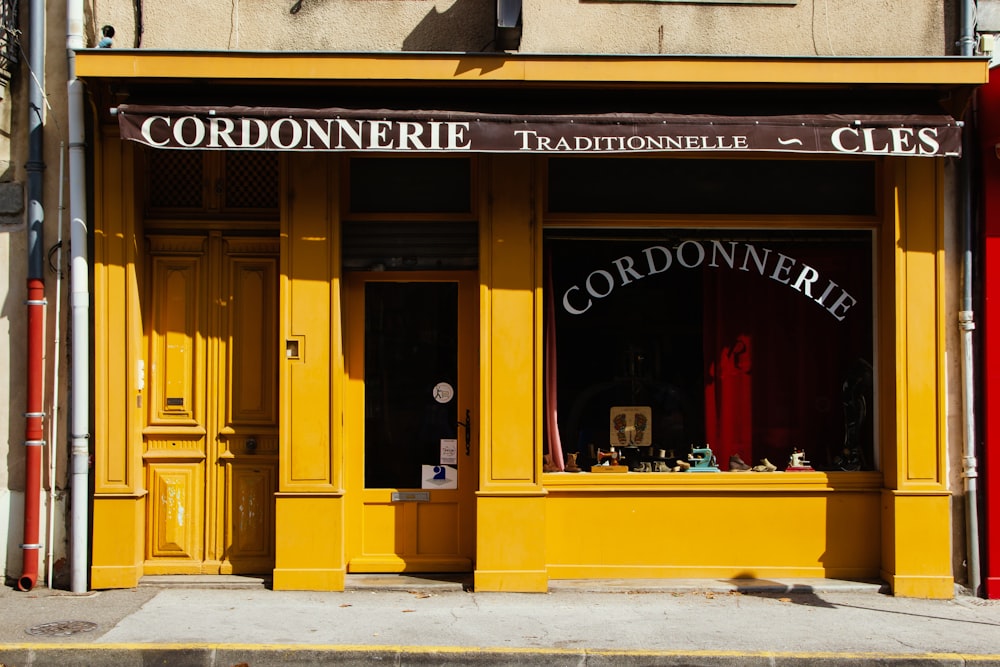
403,131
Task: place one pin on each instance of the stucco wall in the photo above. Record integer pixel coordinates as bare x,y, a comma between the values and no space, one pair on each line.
13,314
14,122
955,417
810,27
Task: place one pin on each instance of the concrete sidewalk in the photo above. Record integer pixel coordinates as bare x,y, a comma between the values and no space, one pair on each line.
419,620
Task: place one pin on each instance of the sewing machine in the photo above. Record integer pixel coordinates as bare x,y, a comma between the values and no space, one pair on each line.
797,462
609,462
701,459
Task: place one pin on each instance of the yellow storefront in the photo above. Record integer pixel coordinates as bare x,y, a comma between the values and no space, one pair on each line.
360,341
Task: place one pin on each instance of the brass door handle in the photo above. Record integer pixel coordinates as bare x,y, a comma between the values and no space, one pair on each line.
467,424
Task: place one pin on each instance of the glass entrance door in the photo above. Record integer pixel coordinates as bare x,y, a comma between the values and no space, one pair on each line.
411,446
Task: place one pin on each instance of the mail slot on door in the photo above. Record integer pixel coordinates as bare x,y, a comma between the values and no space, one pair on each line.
411,496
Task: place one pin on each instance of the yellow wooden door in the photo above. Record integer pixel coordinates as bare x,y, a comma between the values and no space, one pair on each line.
411,421
210,445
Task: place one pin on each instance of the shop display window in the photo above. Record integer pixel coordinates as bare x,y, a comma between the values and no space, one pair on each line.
694,350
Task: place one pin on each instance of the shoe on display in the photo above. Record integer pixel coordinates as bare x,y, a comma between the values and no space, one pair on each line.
764,466
737,464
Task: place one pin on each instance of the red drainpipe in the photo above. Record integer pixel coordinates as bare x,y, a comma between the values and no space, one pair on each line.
33,439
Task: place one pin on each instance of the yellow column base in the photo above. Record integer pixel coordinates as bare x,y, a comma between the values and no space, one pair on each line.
510,549
916,542
309,543
117,539
308,580
932,588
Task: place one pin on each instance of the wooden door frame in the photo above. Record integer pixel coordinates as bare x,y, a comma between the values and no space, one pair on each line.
355,493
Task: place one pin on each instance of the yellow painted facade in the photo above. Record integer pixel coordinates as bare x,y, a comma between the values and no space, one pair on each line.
520,527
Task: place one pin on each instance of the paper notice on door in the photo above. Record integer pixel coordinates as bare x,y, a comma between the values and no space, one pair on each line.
449,451
439,477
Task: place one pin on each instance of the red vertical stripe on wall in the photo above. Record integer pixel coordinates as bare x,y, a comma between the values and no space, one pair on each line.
989,132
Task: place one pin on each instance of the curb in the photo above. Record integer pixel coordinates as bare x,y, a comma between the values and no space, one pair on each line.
243,655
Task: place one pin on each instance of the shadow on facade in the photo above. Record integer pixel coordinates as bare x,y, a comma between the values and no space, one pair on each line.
467,26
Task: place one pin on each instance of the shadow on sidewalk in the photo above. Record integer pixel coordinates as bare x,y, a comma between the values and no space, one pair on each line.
796,593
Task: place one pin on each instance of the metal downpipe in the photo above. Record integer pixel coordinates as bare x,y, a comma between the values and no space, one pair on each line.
966,319
34,442
79,312
33,437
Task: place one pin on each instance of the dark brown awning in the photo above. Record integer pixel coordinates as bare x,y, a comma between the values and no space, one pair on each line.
425,131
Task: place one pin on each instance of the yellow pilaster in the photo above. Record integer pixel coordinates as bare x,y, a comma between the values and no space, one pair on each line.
309,515
119,502
510,554
917,545
916,526
310,543
118,536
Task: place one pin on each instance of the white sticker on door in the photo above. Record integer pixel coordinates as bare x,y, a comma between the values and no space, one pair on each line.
443,392
439,477
449,451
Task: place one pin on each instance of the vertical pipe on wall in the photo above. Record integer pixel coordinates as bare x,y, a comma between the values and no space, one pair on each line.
56,351
36,301
966,319
79,310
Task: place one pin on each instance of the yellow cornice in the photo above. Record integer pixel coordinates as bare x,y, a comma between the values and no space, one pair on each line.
304,67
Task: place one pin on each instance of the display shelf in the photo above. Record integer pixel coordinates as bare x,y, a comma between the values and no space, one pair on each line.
714,481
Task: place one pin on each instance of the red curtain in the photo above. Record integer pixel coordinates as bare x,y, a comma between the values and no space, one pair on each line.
728,346
551,376
775,362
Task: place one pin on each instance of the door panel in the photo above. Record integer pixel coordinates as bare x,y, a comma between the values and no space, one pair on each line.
253,491
434,534
412,358
211,444
175,499
176,345
252,342
175,445
383,528
248,405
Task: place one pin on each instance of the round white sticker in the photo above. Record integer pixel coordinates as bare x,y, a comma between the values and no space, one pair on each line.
443,392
